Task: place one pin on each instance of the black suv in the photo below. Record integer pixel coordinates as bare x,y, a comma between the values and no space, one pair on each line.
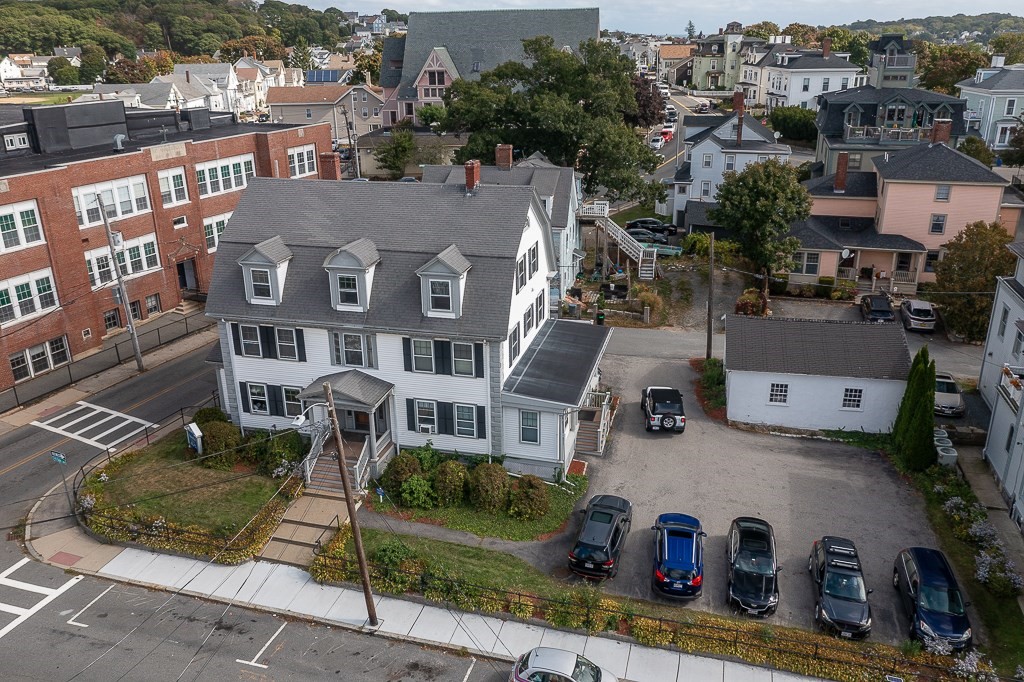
663,409
606,521
753,571
931,597
877,308
653,225
840,598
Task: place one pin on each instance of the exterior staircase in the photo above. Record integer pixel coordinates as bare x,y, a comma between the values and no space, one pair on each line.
187,307
310,522
646,258
326,477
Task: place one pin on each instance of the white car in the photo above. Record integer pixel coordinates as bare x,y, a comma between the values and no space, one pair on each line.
657,142
544,663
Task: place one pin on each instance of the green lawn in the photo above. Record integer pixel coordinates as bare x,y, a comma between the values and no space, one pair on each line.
486,524
639,211
159,482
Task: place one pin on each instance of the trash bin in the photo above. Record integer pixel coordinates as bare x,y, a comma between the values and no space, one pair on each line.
947,456
943,443
599,319
940,433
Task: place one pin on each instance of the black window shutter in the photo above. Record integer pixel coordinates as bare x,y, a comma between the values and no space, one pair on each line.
300,344
268,342
478,359
410,409
442,357
275,396
243,391
481,421
407,352
446,418
237,338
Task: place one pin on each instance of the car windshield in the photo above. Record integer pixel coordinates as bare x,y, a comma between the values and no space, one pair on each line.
754,584
666,407
880,304
943,386
845,586
585,552
922,312
942,600
759,563
585,671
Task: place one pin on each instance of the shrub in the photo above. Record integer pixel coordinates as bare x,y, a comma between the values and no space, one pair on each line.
846,290
401,468
450,483
750,303
808,290
650,299
209,414
220,445
778,285
521,605
825,287
428,457
417,492
391,553
529,498
488,487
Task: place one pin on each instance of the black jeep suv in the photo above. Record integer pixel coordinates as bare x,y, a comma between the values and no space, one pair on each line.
663,409
606,521
840,598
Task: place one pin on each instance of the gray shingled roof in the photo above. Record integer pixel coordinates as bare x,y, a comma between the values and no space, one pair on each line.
837,232
156,94
1009,78
420,221
552,368
391,61
490,37
858,184
452,259
813,60
273,250
934,163
362,249
1016,248
778,345
871,101
353,387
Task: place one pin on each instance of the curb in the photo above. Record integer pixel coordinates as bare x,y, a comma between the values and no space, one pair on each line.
28,527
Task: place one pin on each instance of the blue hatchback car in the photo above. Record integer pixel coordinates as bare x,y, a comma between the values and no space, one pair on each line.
678,556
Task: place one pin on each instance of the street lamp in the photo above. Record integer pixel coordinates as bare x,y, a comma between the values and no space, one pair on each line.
350,504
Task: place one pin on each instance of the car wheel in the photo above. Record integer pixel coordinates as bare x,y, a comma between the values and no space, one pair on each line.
895,580
668,422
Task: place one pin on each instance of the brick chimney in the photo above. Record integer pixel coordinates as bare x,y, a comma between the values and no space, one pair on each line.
826,47
472,175
737,106
330,166
503,156
942,128
720,30
842,165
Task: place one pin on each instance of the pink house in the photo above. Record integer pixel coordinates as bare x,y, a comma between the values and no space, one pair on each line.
886,229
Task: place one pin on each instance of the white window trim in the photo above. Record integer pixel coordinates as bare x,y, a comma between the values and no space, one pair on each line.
520,274
167,176
47,346
846,398
242,341
128,271
202,171
431,294
213,228
472,359
707,161
265,398
433,405
730,162
539,305
15,211
514,341
150,310
297,404
85,199
521,427
778,389
302,161
534,261
472,421
347,305
269,284
294,344
412,351
16,141
32,280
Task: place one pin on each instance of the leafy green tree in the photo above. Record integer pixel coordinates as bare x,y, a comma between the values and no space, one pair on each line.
260,47
153,37
397,153
650,105
943,66
94,61
760,203
763,30
854,42
691,30
976,148
302,56
1014,155
1009,44
62,71
368,65
794,123
394,15
974,258
803,35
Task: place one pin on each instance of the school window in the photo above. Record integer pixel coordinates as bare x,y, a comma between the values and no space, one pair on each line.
539,307
805,263
513,345
225,175
529,426
258,403
465,420
120,198
309,113
942,193
260,280
19,226
213,228
527,321
463,362
39,359
730,162
112,319
1002,321
852,398
27,295
287,348
172,186
706,161
136,309
152,304
348,290
179,222
250,337
426,415
440,295
302,161
292,404
422,355
778,394
938,224
520,274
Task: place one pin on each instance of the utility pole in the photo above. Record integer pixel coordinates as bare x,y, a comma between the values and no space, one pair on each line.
350,503
353,147
122,290
711,293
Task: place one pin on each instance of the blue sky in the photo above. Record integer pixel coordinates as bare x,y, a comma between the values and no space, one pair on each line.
645,16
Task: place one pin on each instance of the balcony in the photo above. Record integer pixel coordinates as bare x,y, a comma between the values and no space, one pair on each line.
593,209
899,61
972,115
879,135
1010,386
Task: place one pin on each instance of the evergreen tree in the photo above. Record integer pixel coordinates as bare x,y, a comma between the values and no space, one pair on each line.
907,403
691,30
918,440
302,56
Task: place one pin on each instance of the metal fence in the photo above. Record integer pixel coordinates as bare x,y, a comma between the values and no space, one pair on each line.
65,375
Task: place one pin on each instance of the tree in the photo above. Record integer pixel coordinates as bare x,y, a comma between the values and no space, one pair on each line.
1009,44
572,106
974,258
1014,156
903,414
760,203
302,56
94,61
691,30
259,47
397,153
794,123
763,30
62,71
368,65
913,441
803,35
976,148
943,66
845,40
394,15
650,105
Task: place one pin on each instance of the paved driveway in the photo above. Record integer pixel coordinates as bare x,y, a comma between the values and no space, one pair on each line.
804,488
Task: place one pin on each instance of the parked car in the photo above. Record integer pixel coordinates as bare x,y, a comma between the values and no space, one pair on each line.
646,236
671,116
606,522
678,556
917,315
753,584
663,409
877,308
653,225
840,597
671,109
657,142
931,596
667,133
949,399
545,664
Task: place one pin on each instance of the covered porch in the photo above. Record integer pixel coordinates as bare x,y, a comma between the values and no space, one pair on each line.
365,406
894,272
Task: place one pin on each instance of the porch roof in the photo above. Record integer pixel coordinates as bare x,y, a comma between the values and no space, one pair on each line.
350,388
559,364
825,233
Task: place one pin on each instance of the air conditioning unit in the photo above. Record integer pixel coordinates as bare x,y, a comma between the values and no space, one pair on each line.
427,428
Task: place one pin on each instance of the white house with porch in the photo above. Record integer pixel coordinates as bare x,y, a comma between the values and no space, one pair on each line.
430,321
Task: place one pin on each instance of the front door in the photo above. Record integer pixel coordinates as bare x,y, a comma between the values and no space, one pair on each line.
362,421
903,261
187,274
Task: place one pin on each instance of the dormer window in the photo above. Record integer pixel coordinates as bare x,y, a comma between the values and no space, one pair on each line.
264,268
348,290
440,295
443,283
351,271
261,284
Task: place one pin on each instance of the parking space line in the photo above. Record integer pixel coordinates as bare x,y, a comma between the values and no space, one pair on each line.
470,671
24,614
28,587
14,610
260,653
72,621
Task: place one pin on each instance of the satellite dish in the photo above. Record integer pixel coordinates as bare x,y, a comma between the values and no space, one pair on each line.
846,254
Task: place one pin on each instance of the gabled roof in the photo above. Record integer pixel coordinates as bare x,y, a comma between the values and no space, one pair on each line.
421,220
834,233
320,94
551,368
1010,78
362,250
779,345
676,51
217,72
859,184
934,163
272,250
872,101
194,87
451,259
352,387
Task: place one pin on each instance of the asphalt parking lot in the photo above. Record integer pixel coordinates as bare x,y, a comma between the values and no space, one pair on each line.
804,488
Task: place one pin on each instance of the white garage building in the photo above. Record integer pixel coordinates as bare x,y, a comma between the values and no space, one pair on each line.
814,374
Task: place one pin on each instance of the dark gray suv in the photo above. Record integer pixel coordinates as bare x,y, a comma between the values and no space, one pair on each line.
606,522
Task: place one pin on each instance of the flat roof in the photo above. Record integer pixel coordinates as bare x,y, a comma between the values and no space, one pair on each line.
558,365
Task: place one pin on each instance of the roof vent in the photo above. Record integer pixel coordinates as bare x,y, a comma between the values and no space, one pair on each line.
119,142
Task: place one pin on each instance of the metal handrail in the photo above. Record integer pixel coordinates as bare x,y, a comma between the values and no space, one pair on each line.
318,546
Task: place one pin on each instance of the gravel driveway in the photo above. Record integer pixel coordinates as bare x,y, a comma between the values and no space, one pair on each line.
804,488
